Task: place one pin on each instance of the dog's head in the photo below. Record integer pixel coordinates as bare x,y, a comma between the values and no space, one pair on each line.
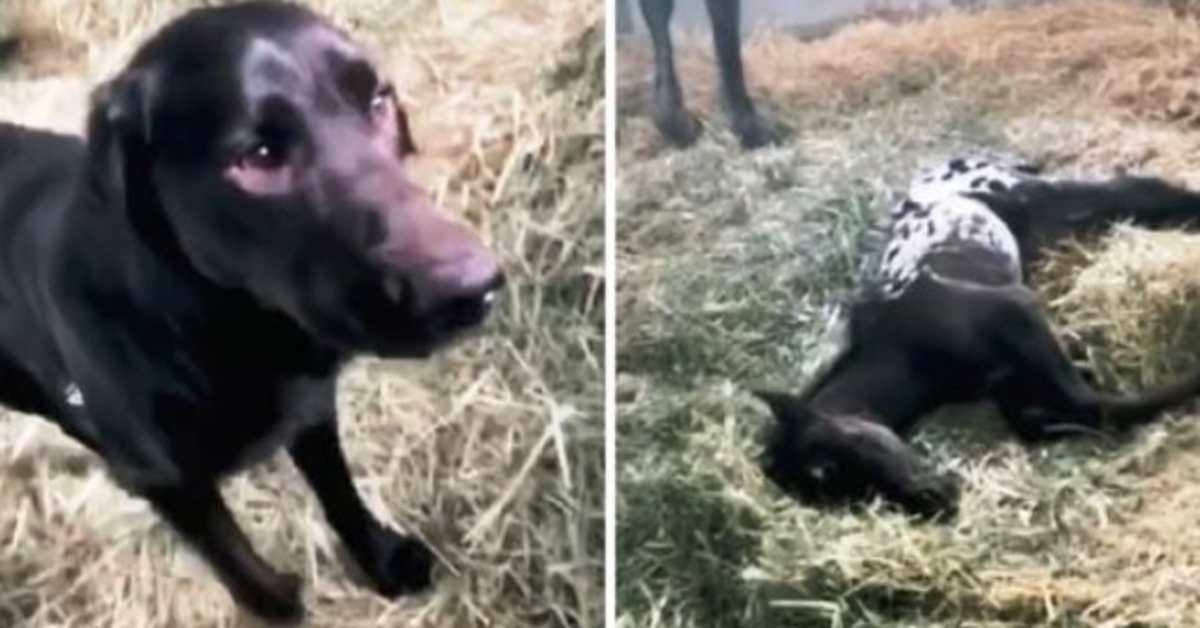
258,145
836,461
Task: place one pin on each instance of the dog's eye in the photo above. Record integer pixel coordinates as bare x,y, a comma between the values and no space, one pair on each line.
263,156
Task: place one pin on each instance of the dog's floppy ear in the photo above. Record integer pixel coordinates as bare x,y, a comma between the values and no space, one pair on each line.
119,139
117,136
787,409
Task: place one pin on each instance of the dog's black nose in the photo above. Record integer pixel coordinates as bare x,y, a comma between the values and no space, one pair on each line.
464,287
474,276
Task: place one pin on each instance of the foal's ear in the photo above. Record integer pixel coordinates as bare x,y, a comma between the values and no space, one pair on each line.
404,139
786,407
118,134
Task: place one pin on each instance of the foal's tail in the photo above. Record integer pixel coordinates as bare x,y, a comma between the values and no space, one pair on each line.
1041,212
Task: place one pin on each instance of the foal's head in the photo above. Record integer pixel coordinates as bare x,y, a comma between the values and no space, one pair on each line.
838,460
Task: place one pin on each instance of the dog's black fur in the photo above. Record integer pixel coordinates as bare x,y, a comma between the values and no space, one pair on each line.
671,117
179,290
955,323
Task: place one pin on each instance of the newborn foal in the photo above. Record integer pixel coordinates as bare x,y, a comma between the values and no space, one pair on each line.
950,320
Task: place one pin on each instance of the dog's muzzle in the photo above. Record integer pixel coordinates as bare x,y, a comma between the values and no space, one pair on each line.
452,296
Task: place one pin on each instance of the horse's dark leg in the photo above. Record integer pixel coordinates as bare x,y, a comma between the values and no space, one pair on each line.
8,48
674,121
750,127
1046,398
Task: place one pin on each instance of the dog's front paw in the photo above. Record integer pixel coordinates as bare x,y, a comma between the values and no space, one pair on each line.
402,566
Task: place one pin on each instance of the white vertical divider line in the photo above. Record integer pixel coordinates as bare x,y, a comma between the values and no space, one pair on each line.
610,314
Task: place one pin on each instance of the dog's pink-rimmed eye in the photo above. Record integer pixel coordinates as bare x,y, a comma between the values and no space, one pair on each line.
263,168
262,156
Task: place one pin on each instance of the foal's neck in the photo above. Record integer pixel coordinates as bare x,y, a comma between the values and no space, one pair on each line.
876,385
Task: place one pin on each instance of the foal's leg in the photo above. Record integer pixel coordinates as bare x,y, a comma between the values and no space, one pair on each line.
752,130
895,471
1046,398
1043,212
675,122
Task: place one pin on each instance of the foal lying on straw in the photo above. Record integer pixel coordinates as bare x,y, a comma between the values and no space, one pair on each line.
948,320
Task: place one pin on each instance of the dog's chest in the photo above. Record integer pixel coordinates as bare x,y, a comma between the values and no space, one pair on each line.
936,215
301,403
237,427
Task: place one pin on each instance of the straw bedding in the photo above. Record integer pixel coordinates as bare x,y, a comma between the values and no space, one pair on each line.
733,270
492,453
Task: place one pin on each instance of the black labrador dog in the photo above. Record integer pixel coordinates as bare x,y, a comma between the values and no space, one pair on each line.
179,290
673,120
949,319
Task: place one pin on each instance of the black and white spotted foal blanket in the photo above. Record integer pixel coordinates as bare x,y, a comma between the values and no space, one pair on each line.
935,215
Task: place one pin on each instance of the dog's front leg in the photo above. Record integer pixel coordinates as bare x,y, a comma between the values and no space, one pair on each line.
394,564
200,515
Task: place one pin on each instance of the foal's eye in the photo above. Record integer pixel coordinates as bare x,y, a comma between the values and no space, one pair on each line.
381,102
821,472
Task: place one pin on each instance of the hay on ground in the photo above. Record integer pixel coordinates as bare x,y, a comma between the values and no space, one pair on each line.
734,270
1133,301
492,453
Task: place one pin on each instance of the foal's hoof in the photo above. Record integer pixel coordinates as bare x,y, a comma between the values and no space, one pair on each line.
753,131
8,48
937,501
677,125
403,567
281,604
